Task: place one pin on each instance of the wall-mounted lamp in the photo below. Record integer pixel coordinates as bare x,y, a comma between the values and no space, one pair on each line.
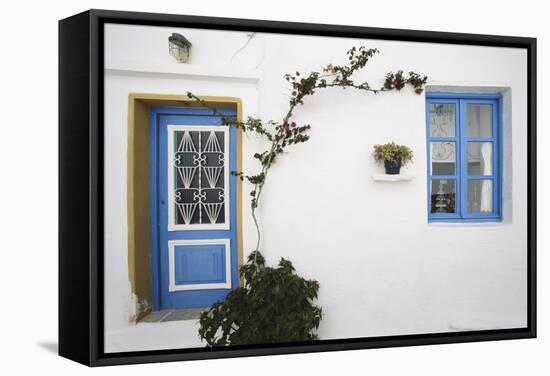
179,47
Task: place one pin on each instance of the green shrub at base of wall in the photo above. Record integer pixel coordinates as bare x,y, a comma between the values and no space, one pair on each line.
274,306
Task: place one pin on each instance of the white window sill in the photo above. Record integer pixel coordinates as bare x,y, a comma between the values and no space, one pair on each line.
496,223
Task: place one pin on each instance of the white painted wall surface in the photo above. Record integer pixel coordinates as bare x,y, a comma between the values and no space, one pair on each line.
383,269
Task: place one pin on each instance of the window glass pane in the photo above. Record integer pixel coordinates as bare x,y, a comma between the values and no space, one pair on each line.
480,158
480,120
443,195
443,158
442,120
480,196
199,177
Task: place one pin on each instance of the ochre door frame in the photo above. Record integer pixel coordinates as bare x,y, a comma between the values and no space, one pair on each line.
139,268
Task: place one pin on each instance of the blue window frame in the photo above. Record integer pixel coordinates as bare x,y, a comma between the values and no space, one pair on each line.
464,149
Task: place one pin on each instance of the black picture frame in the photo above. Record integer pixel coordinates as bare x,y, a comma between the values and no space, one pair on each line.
81,226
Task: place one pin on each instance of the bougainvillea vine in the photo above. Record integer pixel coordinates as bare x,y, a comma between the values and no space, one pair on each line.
284,133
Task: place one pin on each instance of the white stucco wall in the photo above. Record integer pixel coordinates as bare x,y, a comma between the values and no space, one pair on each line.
383,269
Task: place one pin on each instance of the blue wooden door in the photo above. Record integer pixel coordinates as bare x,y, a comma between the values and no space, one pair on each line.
193,214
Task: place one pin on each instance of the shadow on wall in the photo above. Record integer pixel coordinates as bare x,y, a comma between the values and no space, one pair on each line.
51,347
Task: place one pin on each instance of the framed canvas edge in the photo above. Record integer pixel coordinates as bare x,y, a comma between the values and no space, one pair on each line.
311,347
95,341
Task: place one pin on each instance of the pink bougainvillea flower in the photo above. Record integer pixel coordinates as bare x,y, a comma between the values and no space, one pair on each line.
294,93
293,124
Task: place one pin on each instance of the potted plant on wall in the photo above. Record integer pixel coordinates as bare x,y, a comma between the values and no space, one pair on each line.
393,155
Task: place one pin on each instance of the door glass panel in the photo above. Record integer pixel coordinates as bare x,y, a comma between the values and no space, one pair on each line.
442,120
480,158
480,196
443,158
443,196
480,120
200,174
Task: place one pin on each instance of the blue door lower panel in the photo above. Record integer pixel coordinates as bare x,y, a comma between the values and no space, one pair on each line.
198,265
191,266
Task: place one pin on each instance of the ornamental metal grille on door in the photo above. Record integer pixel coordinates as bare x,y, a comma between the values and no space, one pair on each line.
198,177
